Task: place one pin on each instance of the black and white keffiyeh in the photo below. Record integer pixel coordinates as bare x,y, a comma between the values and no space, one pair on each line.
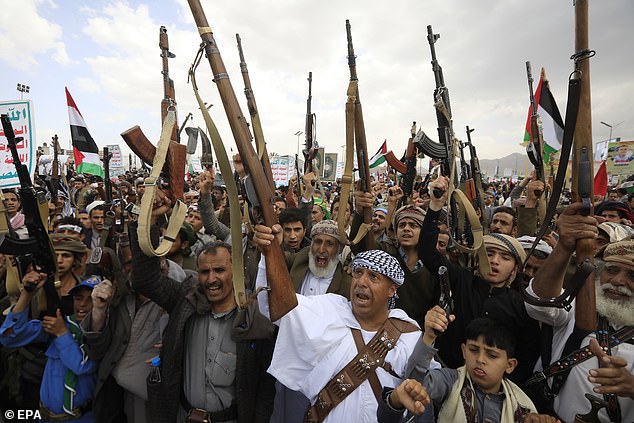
380,262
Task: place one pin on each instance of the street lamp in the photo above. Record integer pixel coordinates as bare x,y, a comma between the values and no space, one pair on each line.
23,89
298,133
611,127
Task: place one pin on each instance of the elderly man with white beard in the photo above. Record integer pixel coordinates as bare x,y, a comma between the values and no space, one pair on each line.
602,373
314,270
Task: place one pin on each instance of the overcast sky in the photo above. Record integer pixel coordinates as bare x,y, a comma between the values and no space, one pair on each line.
107,53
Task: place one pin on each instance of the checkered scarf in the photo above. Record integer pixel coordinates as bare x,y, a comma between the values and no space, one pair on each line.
380,262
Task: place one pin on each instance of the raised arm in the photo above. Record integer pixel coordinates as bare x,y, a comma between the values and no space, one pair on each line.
210,221
572,226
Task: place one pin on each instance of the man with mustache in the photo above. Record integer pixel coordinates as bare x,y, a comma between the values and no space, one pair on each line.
319,338
420,292
602,373
379,224
207,371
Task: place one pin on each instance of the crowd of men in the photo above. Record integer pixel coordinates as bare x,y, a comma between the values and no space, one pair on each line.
142,338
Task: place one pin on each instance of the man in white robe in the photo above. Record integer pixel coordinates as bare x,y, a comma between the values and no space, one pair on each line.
315,340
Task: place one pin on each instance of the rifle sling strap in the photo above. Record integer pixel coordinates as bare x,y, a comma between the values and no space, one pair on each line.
346,178
565,364
359,369
572,108
375,384
235,215
147,202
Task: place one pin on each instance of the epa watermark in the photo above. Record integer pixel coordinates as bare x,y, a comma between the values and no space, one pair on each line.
21,414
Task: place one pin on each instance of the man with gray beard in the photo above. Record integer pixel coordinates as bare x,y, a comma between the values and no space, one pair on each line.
316,269
602,373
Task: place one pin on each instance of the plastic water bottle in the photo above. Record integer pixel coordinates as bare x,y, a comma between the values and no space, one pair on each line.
155,373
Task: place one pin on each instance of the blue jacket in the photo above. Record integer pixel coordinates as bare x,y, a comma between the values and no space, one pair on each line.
63,353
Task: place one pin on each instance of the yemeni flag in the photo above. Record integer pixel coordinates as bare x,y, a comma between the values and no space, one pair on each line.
552,123
379,158
85,149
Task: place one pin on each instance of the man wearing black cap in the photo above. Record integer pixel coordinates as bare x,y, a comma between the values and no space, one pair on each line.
615,211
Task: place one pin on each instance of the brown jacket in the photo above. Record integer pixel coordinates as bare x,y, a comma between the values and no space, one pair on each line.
298,266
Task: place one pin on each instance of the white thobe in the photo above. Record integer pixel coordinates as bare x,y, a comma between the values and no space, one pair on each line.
315,342
571,399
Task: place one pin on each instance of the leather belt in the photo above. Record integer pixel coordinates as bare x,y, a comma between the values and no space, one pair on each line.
199,415
77,412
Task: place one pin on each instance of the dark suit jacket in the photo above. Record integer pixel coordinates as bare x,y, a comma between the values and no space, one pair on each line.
298,266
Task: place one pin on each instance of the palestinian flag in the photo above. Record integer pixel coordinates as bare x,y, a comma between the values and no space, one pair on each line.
552,123
85,150
379,158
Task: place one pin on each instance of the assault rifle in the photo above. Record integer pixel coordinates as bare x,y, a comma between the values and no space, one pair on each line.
96,256
142,147
535,148
310,146
475,178
444,148
37,250
407,180
55,168
282,297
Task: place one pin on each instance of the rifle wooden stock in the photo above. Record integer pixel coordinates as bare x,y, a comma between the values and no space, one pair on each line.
476,175
139,144
176,157
360,139
582,165
282,297
470,190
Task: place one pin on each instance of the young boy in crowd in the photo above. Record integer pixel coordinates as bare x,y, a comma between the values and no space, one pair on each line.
476,392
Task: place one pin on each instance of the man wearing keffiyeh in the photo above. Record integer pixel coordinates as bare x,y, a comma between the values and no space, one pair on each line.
315,339
69,377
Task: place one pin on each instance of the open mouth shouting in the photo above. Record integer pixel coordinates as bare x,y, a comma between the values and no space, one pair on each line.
321,260
213,288
362,297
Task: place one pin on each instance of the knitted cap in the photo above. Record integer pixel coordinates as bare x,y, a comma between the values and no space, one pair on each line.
506,243
63,242
620,252
327,227
415,213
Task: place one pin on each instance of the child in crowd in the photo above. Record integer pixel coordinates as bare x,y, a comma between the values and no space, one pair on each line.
479,391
